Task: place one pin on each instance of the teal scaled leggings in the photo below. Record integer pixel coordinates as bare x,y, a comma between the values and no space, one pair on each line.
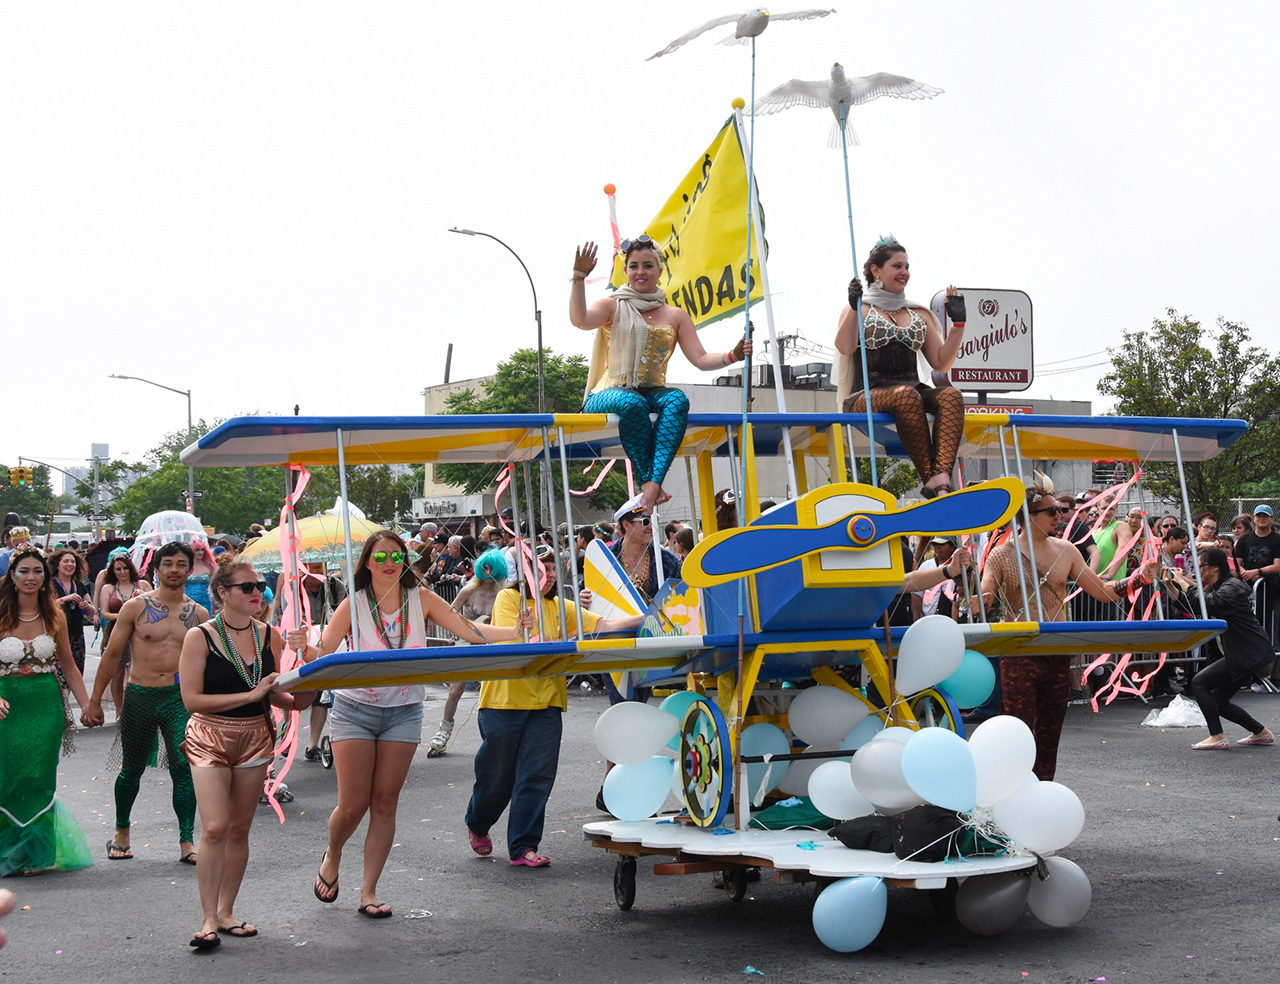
650,448
146,711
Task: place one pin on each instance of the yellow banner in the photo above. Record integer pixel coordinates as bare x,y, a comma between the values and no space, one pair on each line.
702,232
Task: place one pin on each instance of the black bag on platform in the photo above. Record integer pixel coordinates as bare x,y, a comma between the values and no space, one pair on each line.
866,834
926,833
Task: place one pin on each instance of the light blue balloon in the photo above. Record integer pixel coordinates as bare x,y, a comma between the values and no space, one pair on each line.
677,704
850,913
637,792
764,739
972,684
939,768
867,729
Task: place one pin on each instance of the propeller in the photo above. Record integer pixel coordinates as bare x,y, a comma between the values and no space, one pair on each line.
730,554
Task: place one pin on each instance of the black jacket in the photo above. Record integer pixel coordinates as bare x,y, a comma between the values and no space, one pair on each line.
1246,645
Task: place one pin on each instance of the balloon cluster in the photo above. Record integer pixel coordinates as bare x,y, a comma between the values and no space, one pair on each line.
987,779
634,736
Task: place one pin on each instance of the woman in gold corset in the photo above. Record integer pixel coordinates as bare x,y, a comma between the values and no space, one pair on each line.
636,333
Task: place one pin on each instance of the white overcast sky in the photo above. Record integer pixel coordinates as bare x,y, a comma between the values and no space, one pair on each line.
251,199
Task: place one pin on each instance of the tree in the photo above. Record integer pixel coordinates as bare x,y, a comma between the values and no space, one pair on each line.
514,389
1178,368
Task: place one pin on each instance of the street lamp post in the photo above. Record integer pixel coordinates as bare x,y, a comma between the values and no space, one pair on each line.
537,313
191,475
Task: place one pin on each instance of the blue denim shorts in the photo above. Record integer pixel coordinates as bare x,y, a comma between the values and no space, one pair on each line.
369,722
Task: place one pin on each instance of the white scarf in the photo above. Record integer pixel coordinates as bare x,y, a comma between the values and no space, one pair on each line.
628,337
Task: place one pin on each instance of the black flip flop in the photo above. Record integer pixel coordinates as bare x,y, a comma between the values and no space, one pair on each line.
189,858
373,910
125,853
244,933
330,886
201,943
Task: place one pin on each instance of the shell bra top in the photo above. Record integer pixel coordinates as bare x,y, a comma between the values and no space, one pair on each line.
646,350
20,657
891,349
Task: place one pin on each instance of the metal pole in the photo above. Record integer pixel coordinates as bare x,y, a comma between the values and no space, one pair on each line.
1013,527
857,311
346,543
531,532
537,313
1031,547
97,533
1186,505
568,518
545,479
191,475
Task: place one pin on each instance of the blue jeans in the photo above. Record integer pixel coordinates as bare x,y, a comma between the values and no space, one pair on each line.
516,765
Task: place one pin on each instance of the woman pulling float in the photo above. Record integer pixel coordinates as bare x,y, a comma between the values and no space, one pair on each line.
636,333
376,730
896,329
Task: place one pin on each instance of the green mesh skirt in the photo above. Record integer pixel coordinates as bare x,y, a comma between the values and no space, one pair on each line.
36,831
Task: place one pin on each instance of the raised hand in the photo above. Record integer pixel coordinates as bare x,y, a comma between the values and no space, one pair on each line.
584,259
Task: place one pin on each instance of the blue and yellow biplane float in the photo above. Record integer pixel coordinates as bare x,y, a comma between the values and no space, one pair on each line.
817,571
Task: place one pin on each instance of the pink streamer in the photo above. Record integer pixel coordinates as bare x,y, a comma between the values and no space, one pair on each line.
599,478
294,617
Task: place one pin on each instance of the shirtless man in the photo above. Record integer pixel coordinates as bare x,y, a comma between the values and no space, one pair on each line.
1036,688
155,624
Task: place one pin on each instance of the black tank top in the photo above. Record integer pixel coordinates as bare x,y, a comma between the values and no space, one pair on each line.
220,677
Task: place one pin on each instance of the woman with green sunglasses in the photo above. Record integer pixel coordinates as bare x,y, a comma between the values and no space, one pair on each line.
376,730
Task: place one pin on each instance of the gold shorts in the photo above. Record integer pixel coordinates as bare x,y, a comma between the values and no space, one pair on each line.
228,742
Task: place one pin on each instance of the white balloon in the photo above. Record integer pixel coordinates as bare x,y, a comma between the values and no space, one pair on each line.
897,733
1004,750
1042,818
631,732
877,774
796,780
824,715
833,793
931,650
1063,898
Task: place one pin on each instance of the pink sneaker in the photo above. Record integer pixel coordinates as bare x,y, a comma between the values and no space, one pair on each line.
1211,746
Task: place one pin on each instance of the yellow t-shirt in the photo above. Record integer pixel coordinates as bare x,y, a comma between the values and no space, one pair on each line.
531,693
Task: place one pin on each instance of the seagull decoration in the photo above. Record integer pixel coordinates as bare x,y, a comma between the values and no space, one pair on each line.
841,89
750,25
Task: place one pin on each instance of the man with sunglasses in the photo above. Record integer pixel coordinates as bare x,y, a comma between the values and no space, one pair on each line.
153,627
1071,529
1257,556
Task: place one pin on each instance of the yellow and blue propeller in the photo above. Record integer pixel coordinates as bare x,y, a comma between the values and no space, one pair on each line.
731,554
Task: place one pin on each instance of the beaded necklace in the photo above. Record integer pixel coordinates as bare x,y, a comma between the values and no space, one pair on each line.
403,620
238,662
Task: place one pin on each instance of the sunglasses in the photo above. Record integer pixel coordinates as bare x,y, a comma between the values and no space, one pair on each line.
642,520
1065,510
249,587
640,242
380,557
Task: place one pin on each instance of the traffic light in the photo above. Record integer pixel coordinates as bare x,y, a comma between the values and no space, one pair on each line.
21,477
13,475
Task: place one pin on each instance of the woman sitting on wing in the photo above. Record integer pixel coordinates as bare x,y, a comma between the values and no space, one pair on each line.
636,332
896,329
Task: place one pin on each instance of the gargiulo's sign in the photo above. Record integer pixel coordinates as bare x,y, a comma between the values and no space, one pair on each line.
996,354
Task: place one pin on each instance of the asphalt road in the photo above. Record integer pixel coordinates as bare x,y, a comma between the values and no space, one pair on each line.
1181,848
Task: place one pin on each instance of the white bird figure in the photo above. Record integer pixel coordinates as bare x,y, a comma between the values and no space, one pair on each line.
829,94
750,25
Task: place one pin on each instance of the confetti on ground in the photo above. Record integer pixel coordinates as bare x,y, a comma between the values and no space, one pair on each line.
752,970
